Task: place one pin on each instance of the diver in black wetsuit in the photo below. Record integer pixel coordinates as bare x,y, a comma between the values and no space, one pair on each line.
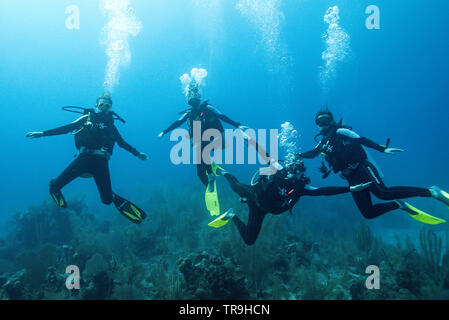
344,151
273,194
210,118
95,136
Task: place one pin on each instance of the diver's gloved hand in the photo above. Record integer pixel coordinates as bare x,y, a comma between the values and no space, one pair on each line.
160,135
393,151
142,156
323,169
360,187
35,135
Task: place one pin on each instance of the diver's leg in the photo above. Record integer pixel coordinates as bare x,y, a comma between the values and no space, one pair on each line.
100,171
250,232
201,171
369,211
393,193
363,198
381,191
73,171
243,190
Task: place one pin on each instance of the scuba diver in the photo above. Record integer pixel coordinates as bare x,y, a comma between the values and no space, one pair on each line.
95,136
343,150
275,194
210,118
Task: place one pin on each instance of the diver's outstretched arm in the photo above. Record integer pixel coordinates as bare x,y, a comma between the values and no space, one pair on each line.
77,124
312,153
226,119
371,144
223,117
349,134
332,191
125,145
174,125
326,191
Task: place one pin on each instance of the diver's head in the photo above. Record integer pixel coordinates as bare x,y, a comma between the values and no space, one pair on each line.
297,168
194,102
104,102
324,119
193,95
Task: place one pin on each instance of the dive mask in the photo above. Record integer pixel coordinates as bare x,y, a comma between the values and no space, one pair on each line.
103,105
323,121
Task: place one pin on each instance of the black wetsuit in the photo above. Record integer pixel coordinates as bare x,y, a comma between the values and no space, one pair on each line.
272,194
210,118
95,140
343,150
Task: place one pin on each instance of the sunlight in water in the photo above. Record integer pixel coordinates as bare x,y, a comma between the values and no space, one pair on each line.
267,17
208,18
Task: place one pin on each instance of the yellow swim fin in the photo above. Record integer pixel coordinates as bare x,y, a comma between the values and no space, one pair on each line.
217,170
211,198
222,220
441,195
419,215
129,209
59,199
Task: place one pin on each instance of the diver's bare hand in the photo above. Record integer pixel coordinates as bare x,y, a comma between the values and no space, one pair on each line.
360,187
35,135
142,156
393,151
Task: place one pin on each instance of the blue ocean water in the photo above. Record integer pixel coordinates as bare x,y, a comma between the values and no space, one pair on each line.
392,85
263,60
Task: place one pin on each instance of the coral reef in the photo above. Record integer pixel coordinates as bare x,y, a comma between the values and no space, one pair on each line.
213,277
175,255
